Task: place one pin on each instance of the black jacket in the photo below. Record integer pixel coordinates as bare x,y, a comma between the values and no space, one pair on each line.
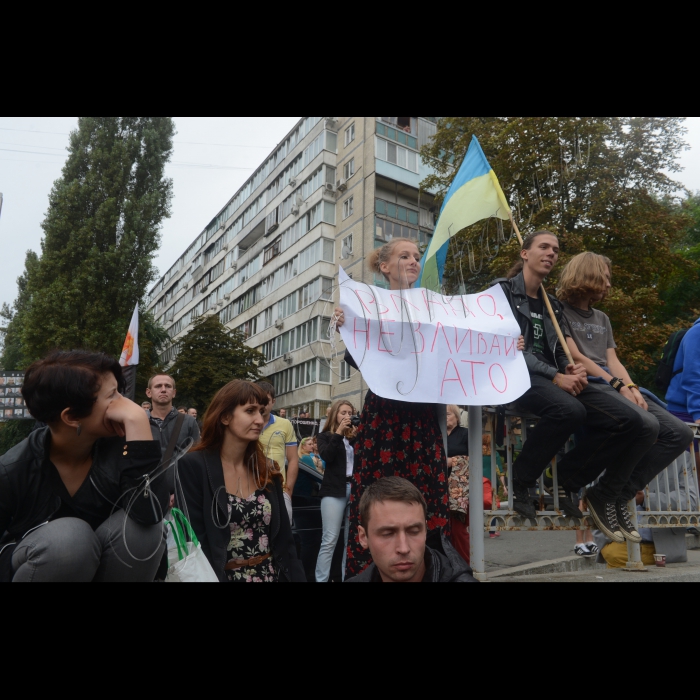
202,476
441,567
190,430
517,297
28,498
331,447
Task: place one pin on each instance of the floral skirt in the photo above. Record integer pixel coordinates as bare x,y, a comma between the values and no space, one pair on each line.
404,440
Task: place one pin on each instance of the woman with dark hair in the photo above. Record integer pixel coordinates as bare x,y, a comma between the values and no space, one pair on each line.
234,496
82,500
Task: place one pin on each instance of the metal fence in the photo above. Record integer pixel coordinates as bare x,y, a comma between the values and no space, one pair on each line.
671,500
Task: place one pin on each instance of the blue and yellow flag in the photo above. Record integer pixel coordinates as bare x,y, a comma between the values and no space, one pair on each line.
475,195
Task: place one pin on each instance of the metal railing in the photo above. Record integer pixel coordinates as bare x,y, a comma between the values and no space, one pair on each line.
672,500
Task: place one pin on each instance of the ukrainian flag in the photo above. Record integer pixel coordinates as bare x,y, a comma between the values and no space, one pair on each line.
475,195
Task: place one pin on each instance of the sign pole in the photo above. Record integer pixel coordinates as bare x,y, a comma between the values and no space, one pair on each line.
557,327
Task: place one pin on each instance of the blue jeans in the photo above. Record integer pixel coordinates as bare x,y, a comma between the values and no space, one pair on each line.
336,514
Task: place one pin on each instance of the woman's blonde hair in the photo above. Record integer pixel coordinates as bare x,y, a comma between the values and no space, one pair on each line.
381,256
303,444
333,422
584,276
456,411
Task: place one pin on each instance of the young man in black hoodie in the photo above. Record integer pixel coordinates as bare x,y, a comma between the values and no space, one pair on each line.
616,438
393,514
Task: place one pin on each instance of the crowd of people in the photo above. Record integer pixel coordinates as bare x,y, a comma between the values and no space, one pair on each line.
85,498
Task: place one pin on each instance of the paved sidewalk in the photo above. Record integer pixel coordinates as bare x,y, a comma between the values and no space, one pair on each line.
674,573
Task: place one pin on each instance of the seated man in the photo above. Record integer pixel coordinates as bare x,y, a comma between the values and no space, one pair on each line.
586,281
393,514
684,393
617,437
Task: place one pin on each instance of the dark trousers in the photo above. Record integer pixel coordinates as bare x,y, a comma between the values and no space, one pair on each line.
617,438
674,439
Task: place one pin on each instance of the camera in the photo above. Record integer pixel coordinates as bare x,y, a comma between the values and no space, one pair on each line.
356,422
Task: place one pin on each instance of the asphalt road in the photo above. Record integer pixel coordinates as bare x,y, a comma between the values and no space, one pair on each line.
523,548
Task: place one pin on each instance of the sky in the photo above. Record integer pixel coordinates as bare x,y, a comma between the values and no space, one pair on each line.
213,157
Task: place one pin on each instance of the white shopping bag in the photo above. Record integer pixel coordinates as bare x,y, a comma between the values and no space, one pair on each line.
187,562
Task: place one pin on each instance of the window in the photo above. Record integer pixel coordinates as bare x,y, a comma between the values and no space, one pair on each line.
349,135
397,155
349,169
273,251
345,372
347,245
348,207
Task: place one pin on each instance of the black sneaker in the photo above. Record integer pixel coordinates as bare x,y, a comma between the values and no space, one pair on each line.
624,520
565,502
523,502
605,516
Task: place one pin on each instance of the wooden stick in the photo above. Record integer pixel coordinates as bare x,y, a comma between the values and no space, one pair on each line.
557,327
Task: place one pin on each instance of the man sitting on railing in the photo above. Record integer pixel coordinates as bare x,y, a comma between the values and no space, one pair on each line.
684,393
617,437
587,280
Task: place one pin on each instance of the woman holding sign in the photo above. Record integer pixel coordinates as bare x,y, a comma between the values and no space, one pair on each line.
400,439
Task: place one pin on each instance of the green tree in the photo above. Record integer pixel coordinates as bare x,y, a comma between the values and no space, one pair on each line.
102,230
599,183
210,357
13,357
13,432
153,338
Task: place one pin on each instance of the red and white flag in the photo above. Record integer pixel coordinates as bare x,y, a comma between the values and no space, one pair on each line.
130,354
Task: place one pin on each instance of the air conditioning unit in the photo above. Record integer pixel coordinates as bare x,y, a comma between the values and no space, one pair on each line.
293,182
227,297
234,267
220,304
295,210
330,188
288,358
204,288
342,185
225,247
279,325
186,285
273,228
331,123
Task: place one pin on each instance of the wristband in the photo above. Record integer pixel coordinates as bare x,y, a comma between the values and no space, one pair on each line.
617,384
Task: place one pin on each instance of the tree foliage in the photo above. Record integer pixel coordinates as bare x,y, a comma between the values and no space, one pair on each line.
13,432
13,354
601,184
102,230
210,357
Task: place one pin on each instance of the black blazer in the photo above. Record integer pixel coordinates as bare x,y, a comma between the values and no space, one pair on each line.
331,447
202,476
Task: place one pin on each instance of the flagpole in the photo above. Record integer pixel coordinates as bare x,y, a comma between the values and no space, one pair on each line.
557,327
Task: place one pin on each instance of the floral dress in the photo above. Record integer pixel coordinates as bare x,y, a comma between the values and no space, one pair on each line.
250,538
404,440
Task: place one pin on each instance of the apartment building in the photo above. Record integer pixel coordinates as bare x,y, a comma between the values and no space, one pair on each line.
267,264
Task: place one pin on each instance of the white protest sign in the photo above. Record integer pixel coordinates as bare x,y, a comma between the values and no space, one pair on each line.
421,347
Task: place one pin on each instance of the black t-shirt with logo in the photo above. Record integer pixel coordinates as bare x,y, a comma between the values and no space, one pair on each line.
540,349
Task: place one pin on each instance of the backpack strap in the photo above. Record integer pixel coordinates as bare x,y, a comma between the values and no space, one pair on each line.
172,445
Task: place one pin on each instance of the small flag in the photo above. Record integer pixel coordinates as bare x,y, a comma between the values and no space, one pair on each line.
474,195
130,354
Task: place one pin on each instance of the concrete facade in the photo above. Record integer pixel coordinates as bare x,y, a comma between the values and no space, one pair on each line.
267,264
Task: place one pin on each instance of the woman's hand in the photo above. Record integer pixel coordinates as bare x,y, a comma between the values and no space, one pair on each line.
521,343
344,426
127,420
339,317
